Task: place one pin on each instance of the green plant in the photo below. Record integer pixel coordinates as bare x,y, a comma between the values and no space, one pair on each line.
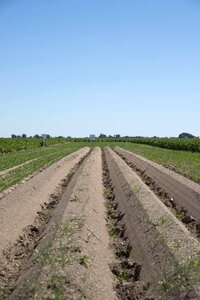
75,198
107,193
83,260
182,277
164,221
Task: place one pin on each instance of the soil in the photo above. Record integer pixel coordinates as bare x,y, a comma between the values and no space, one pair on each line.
21,206
88,227
184,193
152,242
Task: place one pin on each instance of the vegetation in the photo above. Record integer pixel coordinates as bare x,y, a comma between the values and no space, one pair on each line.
27,156
186,144
184,162
36,160
16,144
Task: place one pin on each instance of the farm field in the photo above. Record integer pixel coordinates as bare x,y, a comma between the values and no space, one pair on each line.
184,162
18,165
98,223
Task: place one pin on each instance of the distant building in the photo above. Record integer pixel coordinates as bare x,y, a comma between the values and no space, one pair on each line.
92,137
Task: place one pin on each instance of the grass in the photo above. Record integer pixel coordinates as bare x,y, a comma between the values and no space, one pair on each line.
53,154
182,278
184,162
164,222
59,251
16,158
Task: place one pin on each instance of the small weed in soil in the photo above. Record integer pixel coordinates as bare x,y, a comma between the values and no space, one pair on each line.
181,278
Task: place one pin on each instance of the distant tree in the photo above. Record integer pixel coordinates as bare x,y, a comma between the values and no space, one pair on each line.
36,136
24,136
186,135
13,136
117,136
18,136
69,137
48,136
60,137
102,136
110,136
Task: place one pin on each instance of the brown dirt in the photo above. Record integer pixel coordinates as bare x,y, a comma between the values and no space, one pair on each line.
175,190
66,252
80,252
21,206
17,255
153,241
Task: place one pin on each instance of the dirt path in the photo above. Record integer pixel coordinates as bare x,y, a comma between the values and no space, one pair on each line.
18,209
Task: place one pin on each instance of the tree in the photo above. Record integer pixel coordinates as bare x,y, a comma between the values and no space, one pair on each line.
24,136
13,136
186,135
102,136
36,136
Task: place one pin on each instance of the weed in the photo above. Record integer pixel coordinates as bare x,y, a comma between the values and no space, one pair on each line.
83,260
110,206
136,189
159,240
182,278
164,222
111,220
107,193
178,215
75,198
176,245
113,232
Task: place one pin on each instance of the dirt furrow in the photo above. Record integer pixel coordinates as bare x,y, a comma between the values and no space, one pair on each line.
73,263
167,252
176,191
18,209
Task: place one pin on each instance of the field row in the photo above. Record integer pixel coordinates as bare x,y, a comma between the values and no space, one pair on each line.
16,144
16,166
116,228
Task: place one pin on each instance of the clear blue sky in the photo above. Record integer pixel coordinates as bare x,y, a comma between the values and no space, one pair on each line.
75,67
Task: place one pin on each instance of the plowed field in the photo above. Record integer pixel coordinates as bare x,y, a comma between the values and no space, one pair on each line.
101,224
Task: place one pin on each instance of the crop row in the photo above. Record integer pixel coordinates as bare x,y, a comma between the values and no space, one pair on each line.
16,144
186,144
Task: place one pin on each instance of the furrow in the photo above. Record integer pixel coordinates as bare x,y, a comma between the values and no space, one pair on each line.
34,217
175,191
73,263
167,252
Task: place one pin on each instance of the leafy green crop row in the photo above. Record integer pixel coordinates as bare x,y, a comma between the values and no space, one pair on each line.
186,144
171,143
45,159
16,144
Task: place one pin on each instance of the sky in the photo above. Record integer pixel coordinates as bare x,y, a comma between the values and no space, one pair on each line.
74,67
